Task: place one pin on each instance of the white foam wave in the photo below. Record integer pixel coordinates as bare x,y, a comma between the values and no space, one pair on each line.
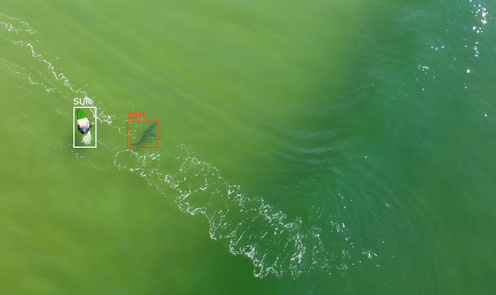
276,243
19,28
55,82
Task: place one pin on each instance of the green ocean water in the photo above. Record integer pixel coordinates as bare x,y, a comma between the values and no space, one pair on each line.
305,147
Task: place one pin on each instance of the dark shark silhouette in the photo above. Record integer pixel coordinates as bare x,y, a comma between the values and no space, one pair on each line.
149,133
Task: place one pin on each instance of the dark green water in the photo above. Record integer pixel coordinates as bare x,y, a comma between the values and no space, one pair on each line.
319,148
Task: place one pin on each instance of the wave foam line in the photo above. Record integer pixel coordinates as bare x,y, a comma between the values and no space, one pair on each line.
250,227
33,76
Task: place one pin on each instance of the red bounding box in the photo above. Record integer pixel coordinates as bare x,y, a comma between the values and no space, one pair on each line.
144,137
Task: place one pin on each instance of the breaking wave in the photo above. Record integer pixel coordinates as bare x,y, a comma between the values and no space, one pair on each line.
249,226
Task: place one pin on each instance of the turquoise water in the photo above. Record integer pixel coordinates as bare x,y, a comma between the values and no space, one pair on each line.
305,148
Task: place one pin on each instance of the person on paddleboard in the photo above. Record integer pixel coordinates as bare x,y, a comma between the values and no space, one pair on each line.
83,123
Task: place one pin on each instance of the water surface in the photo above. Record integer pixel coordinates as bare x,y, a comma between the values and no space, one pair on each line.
319,148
